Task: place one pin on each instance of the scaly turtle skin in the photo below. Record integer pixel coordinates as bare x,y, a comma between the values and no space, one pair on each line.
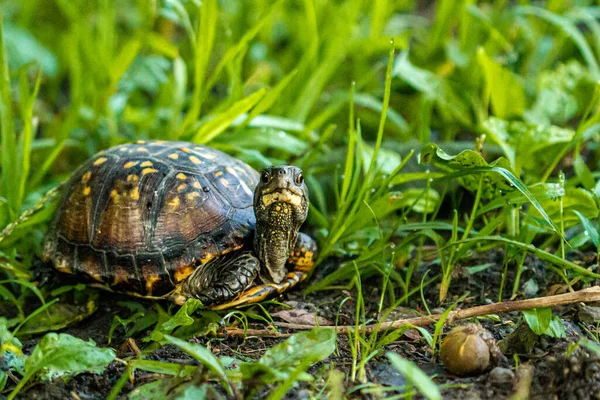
176,220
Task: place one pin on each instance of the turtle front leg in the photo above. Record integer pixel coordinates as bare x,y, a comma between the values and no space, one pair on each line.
220,279
299,264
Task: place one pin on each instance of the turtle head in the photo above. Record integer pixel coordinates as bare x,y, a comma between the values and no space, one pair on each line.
281,207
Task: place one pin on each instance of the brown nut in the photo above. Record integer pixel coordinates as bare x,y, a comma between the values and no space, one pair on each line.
466,350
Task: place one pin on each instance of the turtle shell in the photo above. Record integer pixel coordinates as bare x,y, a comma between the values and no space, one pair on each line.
141,217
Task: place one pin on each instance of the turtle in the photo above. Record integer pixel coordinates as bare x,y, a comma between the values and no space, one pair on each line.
176,220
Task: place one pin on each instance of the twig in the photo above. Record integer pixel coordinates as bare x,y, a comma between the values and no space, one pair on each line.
589,295
233,331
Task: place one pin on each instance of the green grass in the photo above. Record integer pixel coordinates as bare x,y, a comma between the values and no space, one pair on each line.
354,92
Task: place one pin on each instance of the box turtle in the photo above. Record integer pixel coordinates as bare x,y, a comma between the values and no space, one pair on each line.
175,220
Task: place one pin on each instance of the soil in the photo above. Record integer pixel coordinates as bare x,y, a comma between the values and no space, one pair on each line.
561,371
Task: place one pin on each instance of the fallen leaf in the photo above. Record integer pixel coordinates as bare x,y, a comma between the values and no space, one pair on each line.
302,317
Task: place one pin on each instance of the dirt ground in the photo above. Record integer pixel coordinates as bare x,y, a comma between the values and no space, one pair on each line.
558,372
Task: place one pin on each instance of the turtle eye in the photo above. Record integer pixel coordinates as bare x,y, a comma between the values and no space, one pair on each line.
265,177
299,179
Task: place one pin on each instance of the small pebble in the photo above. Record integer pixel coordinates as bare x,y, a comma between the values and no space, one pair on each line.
501,375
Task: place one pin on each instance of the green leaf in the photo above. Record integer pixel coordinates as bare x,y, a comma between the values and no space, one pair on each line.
523,143
574,199
493,184
11,353
280,361
497,177
183,317
205,356
59,355
556,328
506,90
60,315
416,376
588,228
583,173
215,126
538,319
558,92
174,389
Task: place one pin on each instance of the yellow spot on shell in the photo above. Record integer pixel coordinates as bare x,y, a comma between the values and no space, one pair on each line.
181,187
230,170
277,208
174,156
146,164
150,284
196,185
142,149
124,148
135,194
148,171
181,176
174,203
185,150
218,173
130,164
100,161
224,182
308,254
303,249
195,160
156,142
141,142
86,177
86,190
132,178
114,194
192,195
183,273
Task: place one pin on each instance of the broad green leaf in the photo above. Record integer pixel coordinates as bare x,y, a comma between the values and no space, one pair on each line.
64,355
538,319
523,143
416,376
469,167
421,200
556,328
281,360
387,160
183,317
61,314
558,92
574,199
493,184
60,355
506,90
